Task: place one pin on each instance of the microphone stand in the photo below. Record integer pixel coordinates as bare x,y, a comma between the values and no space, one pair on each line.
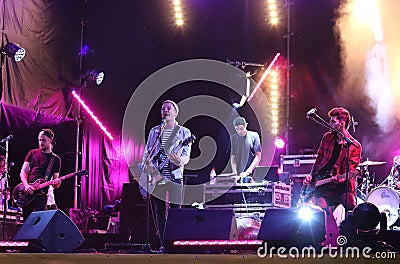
316,118
5,189
147,246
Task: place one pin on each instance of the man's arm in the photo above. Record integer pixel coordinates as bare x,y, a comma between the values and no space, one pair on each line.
58,182
233,164
24,177
253,164
182,158
257,154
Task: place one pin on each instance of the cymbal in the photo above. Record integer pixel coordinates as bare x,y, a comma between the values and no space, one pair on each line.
371,163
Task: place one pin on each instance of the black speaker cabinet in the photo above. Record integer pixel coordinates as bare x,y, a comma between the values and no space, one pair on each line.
195,224
11,228
51,231
284,227
133,217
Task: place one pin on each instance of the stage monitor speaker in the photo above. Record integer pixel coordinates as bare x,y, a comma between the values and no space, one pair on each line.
285,227
133,217
11,228
195,224
50,231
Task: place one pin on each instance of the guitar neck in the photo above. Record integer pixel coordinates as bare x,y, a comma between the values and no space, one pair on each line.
324,181
45,184
162,164
328,180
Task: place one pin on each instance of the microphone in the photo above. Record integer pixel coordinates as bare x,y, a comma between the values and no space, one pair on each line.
353,124
163,122
9,137
311,112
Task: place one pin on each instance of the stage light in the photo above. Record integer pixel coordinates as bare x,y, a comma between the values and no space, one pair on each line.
279,143
90,112
366,217
178,12
305,213
273,13
285,227
14,51
97,76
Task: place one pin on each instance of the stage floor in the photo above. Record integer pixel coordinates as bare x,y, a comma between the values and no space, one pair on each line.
79,258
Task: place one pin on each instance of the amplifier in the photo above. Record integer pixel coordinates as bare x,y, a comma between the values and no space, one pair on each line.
297,165
242,194
282,195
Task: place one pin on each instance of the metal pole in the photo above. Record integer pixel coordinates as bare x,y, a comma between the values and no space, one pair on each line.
78,112
288,96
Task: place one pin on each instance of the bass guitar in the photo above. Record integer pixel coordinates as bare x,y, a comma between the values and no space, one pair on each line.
308,190
148,181
22,198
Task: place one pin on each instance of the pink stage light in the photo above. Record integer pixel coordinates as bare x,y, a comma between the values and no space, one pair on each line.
267,71
90,112
13,244
279,143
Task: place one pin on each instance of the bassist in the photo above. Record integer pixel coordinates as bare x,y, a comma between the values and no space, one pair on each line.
331,160
37,166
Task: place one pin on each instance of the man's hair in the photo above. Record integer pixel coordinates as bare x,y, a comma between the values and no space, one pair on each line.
341,114
173,103
48,132
239,121
2,158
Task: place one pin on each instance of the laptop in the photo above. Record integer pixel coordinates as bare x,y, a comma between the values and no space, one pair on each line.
267,173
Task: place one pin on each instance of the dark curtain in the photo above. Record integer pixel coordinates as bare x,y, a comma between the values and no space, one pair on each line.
49,31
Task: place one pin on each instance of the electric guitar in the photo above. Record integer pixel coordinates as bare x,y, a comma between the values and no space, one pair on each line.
22,198
148,181
308,190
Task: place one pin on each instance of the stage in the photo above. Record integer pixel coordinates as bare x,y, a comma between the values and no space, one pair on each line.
171,258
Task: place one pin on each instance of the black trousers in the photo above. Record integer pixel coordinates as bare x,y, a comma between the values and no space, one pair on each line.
172,189
38,204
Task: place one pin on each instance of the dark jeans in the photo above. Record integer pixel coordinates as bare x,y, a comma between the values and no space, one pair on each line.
174,191
332,199
38,204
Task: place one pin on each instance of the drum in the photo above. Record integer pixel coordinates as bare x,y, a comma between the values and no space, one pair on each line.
387,201
248,228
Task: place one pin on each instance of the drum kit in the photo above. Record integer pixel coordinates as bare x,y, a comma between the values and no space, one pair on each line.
386,195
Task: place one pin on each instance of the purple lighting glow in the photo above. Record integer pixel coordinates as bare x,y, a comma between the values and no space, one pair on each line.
279,143
90,112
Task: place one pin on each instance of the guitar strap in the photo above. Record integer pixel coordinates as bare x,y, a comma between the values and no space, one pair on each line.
168,144
342,155
47,176
169,141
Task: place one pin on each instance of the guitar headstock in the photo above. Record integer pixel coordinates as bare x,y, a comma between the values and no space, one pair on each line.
188,140
82,173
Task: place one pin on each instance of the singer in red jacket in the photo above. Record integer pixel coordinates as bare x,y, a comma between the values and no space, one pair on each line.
331,161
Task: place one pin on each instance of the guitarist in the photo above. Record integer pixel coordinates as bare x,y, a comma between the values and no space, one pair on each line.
162,139
36,166
331,161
